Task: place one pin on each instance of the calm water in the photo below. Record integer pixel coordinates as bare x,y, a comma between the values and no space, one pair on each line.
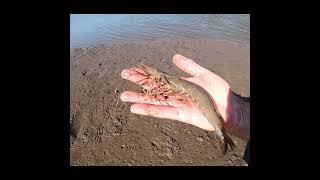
88,30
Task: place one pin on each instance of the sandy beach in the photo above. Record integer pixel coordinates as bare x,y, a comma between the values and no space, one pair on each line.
105,132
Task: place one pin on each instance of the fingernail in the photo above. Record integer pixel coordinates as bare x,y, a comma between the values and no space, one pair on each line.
135,110
123,97
124,73
132,109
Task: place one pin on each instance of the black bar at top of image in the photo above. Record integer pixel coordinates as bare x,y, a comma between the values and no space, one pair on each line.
160,6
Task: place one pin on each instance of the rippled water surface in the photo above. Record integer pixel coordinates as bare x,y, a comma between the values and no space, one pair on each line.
88,30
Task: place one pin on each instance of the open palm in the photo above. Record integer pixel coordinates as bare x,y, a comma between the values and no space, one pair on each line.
176,106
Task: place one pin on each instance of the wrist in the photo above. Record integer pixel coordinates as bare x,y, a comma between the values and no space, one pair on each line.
237,116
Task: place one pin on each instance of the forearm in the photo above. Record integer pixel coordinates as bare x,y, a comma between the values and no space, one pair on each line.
238,119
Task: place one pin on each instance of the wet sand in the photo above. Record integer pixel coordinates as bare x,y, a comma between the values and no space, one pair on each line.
104,132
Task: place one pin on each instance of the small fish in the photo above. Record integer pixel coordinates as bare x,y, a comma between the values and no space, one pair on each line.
197,94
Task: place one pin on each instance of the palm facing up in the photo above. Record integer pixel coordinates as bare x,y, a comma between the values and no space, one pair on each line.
176,106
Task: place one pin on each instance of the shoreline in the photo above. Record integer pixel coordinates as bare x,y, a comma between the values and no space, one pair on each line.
125,43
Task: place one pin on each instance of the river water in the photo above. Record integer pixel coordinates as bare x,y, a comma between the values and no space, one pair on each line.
90,30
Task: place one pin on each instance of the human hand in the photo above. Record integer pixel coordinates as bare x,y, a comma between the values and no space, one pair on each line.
178,107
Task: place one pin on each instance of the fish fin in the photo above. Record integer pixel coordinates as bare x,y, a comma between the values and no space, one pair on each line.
224,141
227,141
223,146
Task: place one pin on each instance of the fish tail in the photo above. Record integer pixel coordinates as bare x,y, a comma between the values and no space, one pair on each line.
225,141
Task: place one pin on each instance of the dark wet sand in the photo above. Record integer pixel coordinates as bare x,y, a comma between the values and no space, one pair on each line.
104,132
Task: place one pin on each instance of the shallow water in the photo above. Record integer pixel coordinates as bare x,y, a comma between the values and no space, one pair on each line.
89,30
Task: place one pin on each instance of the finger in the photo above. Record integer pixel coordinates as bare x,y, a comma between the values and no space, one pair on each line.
188,65
139,78
133,76
166,112
134,97
138,70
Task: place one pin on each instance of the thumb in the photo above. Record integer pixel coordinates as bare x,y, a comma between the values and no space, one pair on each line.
188,65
